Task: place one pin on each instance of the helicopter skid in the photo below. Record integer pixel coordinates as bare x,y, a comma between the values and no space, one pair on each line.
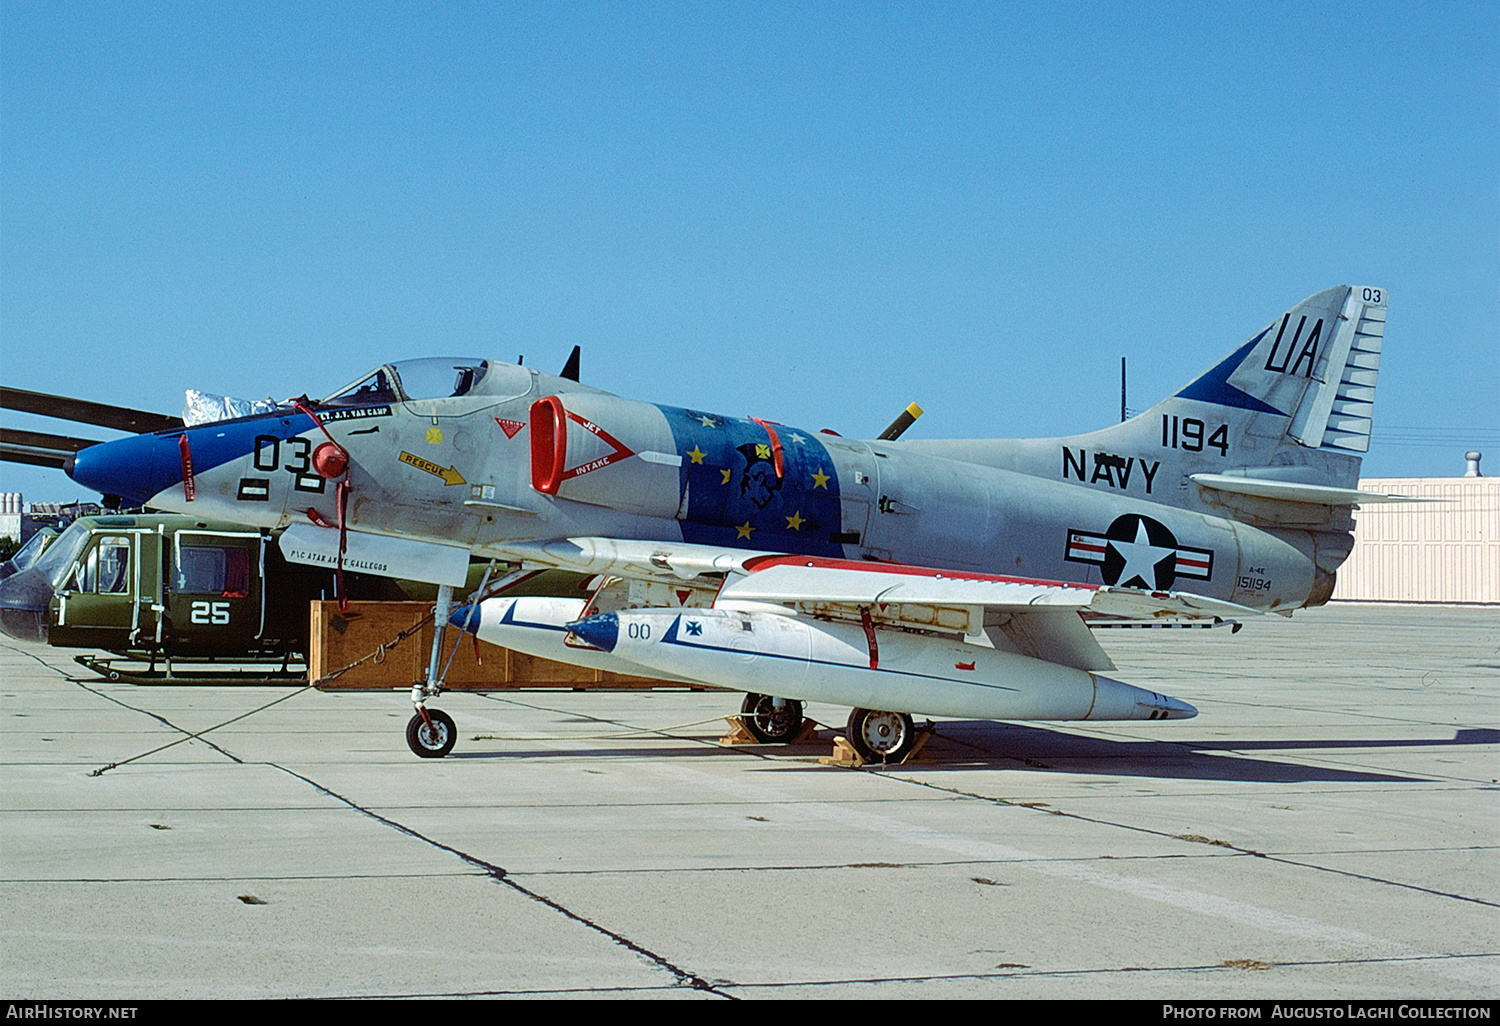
123,671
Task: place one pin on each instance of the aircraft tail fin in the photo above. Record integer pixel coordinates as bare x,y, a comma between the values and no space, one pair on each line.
1292,404
1272,435
1336,411
1308,378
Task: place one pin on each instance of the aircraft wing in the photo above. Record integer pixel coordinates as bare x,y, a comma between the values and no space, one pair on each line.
1043,619
1046,620
805,582
638,559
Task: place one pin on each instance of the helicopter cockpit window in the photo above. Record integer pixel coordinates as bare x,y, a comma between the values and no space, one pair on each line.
56,563
31,551
106,570
374,388
212,570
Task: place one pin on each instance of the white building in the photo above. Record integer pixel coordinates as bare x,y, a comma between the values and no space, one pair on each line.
1426,551
10,515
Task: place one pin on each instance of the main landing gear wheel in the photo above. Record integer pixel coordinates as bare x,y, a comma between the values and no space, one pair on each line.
435,741
881,736
771,725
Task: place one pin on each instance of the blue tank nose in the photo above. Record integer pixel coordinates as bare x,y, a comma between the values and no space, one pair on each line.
603,631
133,468
466,618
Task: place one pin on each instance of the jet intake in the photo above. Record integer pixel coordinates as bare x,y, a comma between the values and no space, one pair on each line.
605,451
549,444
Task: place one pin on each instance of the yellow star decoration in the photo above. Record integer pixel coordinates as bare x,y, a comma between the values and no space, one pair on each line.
696,455
726,474
795,521
708,422
820,480
745,529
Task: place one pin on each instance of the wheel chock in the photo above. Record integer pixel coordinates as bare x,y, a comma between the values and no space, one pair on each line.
738,734
809,732
924,735
843,754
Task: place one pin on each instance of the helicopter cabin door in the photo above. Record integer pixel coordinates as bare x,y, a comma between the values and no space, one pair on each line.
98,604
215,601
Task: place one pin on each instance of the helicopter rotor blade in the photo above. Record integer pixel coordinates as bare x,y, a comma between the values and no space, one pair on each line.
120,418
39,448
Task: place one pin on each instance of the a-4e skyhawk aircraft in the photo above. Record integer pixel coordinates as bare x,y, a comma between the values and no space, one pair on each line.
949,578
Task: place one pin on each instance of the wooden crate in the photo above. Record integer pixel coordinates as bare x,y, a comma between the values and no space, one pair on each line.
338,639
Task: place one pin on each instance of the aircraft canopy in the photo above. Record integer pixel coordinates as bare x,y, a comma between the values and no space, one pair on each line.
430,378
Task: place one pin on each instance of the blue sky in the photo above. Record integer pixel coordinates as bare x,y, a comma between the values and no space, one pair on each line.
812,213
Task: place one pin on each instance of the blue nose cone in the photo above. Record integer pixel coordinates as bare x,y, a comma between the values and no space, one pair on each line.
602,631
134,468
466,618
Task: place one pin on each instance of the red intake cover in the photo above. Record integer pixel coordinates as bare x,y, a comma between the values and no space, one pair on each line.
549,444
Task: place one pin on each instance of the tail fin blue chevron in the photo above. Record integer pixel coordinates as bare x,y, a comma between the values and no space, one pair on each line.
1308,376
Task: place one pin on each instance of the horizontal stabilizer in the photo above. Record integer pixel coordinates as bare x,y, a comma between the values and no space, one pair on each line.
1293,491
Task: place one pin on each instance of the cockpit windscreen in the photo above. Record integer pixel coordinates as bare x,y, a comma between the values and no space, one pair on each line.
429,378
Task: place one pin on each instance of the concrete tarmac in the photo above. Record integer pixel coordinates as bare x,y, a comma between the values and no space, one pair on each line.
1326,828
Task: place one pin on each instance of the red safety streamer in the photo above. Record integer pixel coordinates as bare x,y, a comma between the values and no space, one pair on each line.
775,446
189,487
341,499
300,404
869,626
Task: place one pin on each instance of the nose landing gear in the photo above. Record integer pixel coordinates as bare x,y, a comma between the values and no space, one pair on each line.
431,736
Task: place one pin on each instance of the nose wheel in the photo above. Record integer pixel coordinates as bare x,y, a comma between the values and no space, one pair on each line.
881,736
432,736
